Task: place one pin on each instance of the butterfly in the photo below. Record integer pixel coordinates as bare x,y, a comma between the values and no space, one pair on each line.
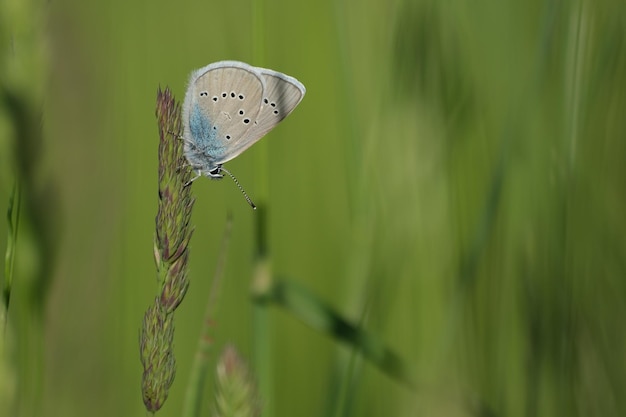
228,107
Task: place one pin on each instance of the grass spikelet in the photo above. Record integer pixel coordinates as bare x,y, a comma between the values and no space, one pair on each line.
171,254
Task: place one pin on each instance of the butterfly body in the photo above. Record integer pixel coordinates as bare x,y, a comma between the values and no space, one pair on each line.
229,106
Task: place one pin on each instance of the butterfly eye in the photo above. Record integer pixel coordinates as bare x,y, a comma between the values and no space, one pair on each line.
241,97
224,95
203,94
232,94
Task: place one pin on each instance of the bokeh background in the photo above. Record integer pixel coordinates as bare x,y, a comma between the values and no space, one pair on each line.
453,183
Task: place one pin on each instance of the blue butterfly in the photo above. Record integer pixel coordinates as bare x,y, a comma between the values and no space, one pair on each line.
229,106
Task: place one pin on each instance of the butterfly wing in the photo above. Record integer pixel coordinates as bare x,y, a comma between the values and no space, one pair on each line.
281,95
221,104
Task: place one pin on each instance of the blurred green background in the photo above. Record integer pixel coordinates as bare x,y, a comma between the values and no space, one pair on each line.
454,182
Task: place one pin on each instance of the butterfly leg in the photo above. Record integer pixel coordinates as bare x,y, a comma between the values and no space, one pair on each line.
189,143
176,135
198,175
184,165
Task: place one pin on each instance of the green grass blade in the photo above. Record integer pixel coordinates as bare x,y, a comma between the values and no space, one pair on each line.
13,220
313,311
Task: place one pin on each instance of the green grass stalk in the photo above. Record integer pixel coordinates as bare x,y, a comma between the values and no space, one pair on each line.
261,325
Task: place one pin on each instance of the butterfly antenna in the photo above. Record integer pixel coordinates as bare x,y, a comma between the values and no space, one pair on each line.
240,188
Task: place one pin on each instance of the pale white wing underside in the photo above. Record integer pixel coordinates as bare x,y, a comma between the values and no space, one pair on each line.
281,96
230,105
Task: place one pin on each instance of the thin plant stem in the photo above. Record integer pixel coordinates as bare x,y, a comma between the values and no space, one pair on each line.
260,321
193,396
13,220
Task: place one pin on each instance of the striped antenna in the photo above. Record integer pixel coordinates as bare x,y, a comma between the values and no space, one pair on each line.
240,187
